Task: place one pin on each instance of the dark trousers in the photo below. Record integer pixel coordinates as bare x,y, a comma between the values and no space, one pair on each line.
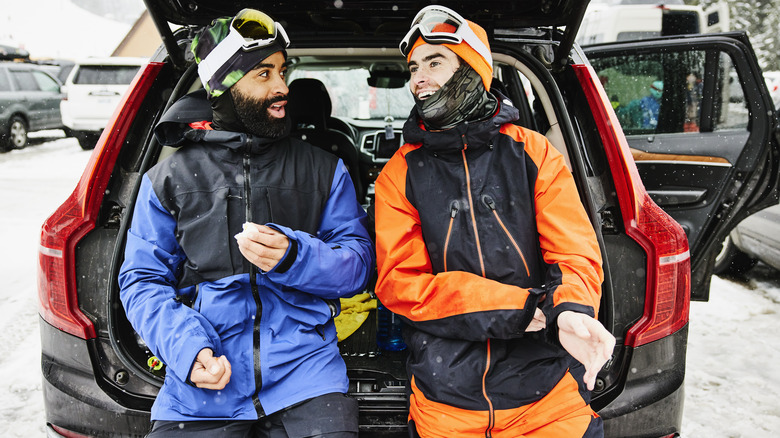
328,416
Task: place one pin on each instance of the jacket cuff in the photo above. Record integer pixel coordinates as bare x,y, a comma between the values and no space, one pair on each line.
288,260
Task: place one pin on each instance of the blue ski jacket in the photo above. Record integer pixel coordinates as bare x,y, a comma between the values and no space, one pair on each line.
185,286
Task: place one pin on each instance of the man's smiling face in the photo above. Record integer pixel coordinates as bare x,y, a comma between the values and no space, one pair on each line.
431,66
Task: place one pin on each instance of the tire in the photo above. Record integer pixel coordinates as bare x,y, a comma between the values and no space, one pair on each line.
731,261
87,139
15,136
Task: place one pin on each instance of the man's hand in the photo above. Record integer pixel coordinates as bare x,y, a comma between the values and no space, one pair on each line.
210,372
538,323
587,341
263,246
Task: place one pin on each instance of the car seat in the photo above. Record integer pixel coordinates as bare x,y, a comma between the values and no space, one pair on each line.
309,108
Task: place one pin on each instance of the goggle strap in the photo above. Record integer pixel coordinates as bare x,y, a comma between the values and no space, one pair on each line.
473,40
232,43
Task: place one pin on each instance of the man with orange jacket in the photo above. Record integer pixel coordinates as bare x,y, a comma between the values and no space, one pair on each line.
486,252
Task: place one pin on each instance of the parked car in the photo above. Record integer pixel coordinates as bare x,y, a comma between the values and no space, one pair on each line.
29,101
773,84
661,199
94,87
755,239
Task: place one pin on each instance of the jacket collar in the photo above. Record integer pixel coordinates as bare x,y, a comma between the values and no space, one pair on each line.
174,127
466,135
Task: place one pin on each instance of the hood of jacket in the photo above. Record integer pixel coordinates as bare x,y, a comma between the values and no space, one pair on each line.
472,135
174,128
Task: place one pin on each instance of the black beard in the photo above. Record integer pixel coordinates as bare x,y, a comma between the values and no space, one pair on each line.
253,113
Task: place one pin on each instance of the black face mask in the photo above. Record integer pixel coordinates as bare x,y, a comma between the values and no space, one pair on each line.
253,114
462,98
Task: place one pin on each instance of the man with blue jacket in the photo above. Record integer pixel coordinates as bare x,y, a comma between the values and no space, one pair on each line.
241,244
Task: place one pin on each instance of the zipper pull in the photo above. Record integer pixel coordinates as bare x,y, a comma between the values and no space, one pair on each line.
489,202
454,208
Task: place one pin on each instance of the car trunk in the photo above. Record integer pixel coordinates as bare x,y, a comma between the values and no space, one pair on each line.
377,378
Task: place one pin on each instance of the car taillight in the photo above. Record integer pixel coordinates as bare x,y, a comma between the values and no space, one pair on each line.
65,433
668,259
76,217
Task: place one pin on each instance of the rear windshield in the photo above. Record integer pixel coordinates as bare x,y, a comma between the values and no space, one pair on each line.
105,74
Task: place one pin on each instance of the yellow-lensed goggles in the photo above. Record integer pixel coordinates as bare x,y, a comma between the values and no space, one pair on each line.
257,29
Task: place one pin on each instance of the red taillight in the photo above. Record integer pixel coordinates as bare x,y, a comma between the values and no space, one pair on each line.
668,260
76,217
68,433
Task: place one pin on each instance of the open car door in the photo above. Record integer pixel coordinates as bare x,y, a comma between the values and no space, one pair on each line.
702,129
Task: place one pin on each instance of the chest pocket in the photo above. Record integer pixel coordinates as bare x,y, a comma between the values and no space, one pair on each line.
205,222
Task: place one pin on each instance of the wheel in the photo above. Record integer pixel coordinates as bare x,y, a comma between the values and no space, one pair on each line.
16,135
87,139
731,261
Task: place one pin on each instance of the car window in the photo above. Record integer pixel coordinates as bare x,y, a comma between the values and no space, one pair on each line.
24,80
46,82
5,84
105,74
663,92
352,97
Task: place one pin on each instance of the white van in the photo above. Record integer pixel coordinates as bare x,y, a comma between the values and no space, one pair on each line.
93,90
624,20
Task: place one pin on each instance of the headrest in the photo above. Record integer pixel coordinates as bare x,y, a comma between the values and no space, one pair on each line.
308,103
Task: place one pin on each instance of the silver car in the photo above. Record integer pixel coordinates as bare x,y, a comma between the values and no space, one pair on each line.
755,239
29,101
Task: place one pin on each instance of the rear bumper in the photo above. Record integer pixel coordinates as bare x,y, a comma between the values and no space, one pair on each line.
651,403
95,125
73,400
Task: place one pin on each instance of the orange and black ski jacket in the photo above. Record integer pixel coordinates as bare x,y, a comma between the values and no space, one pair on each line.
477,226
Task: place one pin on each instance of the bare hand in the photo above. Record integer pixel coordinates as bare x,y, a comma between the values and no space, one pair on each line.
538,323
210,372
263,246
587,341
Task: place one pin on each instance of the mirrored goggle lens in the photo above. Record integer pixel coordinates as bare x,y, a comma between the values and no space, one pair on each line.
254,25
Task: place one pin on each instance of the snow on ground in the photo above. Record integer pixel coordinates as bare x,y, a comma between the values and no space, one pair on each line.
33,182
732,381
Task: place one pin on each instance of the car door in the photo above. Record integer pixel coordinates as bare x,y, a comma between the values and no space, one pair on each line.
42,106
702,129
50,96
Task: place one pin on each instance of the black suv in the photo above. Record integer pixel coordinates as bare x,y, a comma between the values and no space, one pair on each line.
661,196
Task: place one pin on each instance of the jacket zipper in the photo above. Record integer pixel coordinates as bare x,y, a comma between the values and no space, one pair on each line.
454,208
491,412
491,204
253,285
471,206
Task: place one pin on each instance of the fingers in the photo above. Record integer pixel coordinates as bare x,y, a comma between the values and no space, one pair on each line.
262,246
265,236
588,341
539,322
209,372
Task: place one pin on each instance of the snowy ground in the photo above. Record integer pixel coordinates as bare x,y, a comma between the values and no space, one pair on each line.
732,381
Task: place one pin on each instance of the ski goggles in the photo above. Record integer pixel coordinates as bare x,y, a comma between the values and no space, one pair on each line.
440,25
249,30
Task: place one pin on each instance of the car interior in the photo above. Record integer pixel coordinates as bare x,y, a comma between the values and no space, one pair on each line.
355,106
